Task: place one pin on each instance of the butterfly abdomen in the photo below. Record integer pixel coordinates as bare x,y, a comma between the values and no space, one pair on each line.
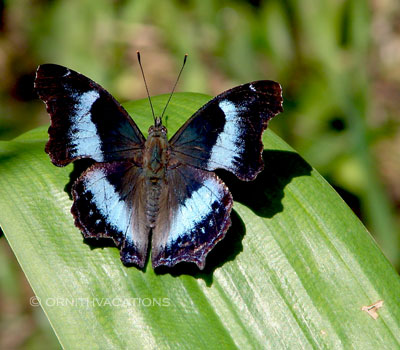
153,202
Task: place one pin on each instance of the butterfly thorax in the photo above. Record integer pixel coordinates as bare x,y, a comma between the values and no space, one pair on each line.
155,159
155,153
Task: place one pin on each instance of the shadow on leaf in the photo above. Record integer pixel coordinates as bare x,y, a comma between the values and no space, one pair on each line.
80,166
264,195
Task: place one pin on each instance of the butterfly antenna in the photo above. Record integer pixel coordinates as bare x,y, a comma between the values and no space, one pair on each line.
145,84
176,83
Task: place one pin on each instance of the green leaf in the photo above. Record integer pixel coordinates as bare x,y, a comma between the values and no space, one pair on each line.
294,271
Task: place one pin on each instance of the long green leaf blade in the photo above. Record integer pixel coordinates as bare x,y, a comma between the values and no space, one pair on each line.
293,272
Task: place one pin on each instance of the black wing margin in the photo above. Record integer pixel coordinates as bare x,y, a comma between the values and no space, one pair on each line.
86,121
226,132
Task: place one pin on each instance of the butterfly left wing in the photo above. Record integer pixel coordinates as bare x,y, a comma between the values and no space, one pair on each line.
109,202
226,132
86,121
194,216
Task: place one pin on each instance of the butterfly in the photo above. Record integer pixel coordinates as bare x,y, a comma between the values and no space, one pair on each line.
155,189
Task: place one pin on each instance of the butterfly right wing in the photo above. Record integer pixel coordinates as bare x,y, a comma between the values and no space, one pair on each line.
194,216
86,121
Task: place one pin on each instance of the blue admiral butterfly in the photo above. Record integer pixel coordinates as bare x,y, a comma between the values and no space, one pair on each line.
139,188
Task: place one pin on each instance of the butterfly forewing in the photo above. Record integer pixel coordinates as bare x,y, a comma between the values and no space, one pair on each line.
226,132
86,121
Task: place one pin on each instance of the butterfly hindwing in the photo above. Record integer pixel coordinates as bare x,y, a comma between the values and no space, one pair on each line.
194,216
226,132
86,121
109,203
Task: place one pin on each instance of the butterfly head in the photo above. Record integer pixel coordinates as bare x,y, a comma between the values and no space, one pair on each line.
158,130
157,122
